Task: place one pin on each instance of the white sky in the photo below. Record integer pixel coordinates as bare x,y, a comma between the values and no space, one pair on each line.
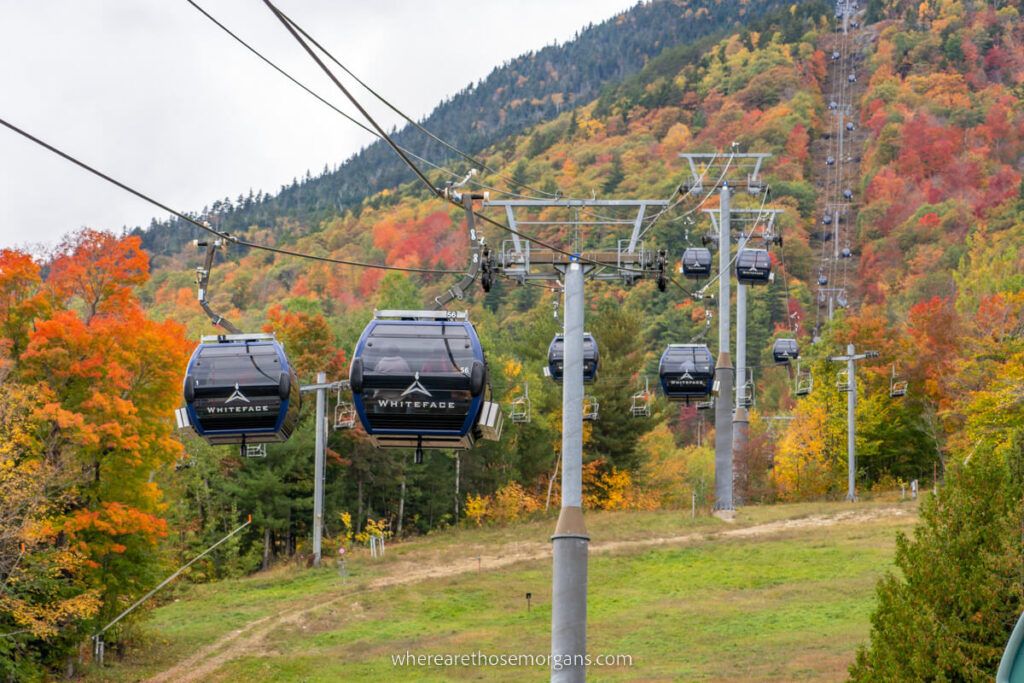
154,94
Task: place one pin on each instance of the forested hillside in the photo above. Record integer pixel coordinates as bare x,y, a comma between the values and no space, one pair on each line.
514,97
101,495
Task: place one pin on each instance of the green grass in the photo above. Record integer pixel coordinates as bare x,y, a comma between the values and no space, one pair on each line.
792,605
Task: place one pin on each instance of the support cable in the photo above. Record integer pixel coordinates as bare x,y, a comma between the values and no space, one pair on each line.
340,112
205,226
295,31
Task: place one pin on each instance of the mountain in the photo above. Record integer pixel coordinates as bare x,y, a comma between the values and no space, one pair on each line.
527,90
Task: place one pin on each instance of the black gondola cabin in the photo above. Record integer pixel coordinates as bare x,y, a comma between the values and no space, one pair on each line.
753,266
240,389
419,379
696,263
556,358
686,371
785,350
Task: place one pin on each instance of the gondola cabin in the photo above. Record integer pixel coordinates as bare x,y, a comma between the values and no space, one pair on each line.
785,350
696,263
419,379
556,358
753,266
240,389
686,371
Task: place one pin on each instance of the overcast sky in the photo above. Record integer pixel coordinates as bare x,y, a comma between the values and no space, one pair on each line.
152,93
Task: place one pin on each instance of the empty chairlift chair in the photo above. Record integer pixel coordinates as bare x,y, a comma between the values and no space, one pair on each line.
344,413
686,371
591,408
785,350
419,379
843,380
241,389
897,386
520,412
556,358
804,381
640,405
753,266
696,263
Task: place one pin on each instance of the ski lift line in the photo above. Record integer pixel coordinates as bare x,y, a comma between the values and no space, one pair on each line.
206,227
345,115
754,224
465,155
295,30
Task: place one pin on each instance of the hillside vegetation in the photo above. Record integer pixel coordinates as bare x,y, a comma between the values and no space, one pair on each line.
101,497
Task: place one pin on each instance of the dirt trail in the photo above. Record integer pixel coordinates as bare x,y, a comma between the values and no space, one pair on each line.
251,638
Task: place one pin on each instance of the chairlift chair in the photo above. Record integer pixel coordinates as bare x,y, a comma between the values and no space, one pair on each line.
520,412
591,408
843,380
804,382
344,413
640,405
745,392
897,387
255,450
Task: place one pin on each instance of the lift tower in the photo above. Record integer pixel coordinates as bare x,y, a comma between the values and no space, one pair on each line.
723,167
749,221
628,262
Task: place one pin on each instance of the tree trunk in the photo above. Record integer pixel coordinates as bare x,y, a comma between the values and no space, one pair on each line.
551,482
458,467
359,512
401,507
289,539
266,548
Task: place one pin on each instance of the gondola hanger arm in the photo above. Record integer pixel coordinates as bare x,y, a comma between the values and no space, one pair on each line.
458,291
203,282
